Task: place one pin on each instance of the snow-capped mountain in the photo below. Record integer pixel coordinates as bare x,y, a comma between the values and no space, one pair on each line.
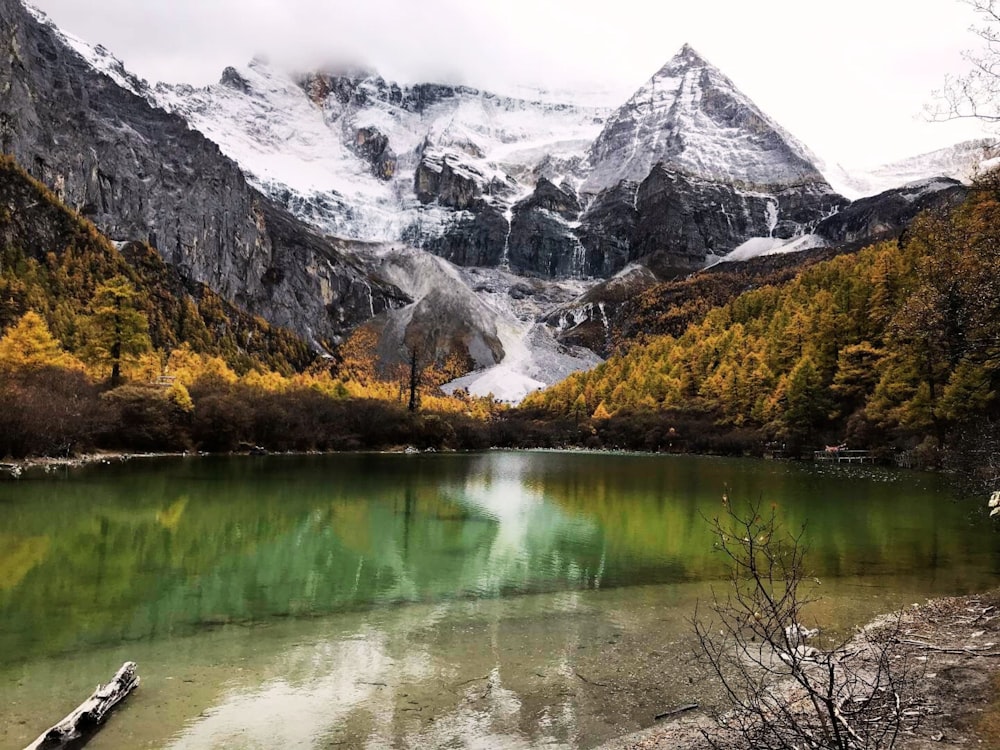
691,118
345,149
527,184
962,162
468,213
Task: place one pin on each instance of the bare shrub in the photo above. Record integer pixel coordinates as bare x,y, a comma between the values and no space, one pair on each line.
782,693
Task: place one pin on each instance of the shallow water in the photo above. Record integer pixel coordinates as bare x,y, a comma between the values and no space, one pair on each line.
495,600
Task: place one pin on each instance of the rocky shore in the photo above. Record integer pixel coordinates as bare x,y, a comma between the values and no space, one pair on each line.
956,644
15,469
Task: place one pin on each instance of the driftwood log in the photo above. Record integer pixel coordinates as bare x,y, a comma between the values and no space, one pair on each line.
87,718
682,710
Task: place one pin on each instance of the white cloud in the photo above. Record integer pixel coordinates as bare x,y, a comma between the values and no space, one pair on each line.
848,78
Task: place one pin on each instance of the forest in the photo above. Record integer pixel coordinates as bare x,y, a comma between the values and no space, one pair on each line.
891,348
894,347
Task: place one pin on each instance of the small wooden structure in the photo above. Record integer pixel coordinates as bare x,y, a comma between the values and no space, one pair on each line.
843,456
88,717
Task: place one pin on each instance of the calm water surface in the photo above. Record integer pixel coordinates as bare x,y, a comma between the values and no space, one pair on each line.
501,600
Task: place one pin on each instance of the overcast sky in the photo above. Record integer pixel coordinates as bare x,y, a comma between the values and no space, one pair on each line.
849,78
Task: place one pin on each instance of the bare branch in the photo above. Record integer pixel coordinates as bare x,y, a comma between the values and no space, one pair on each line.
784,693
974,95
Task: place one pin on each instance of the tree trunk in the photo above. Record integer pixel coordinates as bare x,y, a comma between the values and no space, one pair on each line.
116,348
414,379
88,717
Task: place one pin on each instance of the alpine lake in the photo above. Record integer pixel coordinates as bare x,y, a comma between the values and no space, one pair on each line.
493,600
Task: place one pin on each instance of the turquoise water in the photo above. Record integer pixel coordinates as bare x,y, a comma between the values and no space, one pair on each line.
515,599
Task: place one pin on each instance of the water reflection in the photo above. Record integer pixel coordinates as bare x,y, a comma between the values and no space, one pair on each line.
535,540
456,674
161,550
374,685
499,600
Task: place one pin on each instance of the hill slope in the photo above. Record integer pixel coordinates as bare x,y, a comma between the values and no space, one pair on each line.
141,174
897,343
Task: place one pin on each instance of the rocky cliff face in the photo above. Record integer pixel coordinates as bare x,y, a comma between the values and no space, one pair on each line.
888,213
689,167
683,219
140,173
543,238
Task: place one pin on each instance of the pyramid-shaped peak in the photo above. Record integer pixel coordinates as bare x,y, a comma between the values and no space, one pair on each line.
691,117
686,59
688,52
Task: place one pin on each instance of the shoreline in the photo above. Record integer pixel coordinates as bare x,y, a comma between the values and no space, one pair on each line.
956,643
17,468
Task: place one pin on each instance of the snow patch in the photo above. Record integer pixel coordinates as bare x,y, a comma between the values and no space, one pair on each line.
757,247
961,162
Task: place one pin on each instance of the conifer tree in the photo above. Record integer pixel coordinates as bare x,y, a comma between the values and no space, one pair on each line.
28,345
117,330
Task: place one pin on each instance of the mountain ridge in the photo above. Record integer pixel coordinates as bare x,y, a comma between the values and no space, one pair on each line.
143,174
242,184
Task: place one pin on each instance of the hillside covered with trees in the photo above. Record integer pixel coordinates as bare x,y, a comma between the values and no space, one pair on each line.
895,346
108,347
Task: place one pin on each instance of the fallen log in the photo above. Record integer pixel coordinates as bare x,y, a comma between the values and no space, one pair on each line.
87,718
681,710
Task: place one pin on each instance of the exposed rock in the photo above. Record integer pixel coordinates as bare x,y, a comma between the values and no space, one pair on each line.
142,174
445,319
373,146
588,320
361,86
543,240
608,230
471,238
232,78
445,179
543,243
683,219
558,199
887,214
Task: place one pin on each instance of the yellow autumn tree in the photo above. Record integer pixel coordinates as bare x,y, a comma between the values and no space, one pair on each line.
601,412
117,330
29,345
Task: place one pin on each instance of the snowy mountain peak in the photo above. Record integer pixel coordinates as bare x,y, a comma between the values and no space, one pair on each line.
694,119
688,56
